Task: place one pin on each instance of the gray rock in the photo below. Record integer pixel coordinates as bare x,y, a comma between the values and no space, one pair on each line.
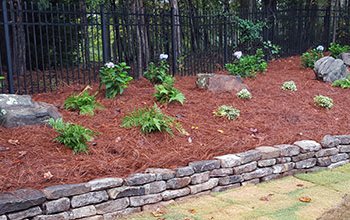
140,179
221,172
20,110
345,57
249,156
229,160
328,69
327,152
155,187
198,178
144,200
59,191
329,141
184,171
323,161
55,206
172,194
270,177
178,183
253,181
228,180
219,83
157,206
304,164
281,168
162,174
268,152
118,214
59,216
338,164
105,183
257,173
3,217
126,191
303,156
308,146
89,198
283,160
245,168
112,206
266,162
83,212
204,165
344,139
224,188
288,150
344,148
20,200
25,214
96,217
339,157
204,186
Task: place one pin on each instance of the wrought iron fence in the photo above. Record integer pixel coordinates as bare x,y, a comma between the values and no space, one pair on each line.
43,48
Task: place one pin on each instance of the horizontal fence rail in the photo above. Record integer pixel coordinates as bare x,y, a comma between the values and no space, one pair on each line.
44,48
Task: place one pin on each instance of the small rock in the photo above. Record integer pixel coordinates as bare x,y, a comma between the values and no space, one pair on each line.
303,156
83,212
266,163
281,168
25,214
140,179
105,183
65,190
344,148
178,183
228,180
250,155
304,164
229,160
112,206
204,186
126,191
89,198
204,165
268,152
344,139
329,141
172,194
55,206
245,168
155,187
184,171
308,146
346,58
327,152
144,200
224,188
328,69
221,172
288,150
257,173
121,213
162,174
198,178
323,161
220,83
340,163
339,157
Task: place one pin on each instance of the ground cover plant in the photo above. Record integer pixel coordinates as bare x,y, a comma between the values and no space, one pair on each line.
336,49
227,111
167,93
289,85
83,102
342,83
309,58
244,94
323,101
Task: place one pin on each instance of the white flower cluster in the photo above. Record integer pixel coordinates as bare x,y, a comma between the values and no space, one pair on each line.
163,56
110,65
320,48
238,54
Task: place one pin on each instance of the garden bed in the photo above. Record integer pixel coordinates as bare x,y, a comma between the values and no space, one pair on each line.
272,116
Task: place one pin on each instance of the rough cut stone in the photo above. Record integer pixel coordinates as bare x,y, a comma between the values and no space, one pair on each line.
266,162
344,139
59,216
304,164
83,212
257,173
186,198
3,217
162,174
327,152
55,206
281,168
324,161
219,83
198,178
224,188
344,148
204,186
229,160
288,150
126,191
59,191
221,172
96,217
227,180
105,183
329,141
112,206
184,171
339,157
204,165
144,200
20,110
118,214
89,198
245,168
25,214
172,194
253,181
340,163
268,152
345,57
157,206
270,177
140,179
20,200
155,187
328,69
283,160
307,146
303,156
249,156
178,183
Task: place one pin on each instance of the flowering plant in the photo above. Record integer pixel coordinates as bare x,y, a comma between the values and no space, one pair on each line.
163,56
238,54
320,48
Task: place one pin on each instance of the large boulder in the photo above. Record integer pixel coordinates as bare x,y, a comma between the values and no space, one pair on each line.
328,69
219,83
20,110
346,58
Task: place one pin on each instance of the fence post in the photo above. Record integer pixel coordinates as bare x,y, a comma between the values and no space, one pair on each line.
8,48
105,39
173,42
225,40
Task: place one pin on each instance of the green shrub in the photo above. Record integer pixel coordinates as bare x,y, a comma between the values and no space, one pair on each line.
250,32
323,101
150,120
342,83
273,50
309,58
227,111
166,93
84,102
337,49
244,94
248,66
115,77
289,85
1,78
157,74
72,135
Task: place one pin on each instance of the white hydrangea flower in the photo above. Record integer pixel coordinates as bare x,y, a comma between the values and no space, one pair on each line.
110,65
320,48
238,54
163,56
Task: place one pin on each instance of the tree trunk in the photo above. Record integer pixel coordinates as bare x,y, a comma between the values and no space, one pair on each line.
175,7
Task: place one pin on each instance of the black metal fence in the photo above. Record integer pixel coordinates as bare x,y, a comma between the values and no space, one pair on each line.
44,48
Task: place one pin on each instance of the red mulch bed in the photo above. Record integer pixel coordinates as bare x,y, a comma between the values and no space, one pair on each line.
272,117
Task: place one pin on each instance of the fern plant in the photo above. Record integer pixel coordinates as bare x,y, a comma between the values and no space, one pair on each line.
84,102
227,111
167,93
342,83
72,135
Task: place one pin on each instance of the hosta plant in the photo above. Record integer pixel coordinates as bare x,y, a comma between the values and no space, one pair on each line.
167,93
337,49
72,135
323,101
229,112
157,74
289,85
83,102
244,94
309,58
115,77
342,83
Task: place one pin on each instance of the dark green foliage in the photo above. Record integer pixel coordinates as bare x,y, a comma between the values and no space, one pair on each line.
72,135
84,102
167,93
115,79
1,78
157,74
342,83
250,32
309,58
248,66
337,49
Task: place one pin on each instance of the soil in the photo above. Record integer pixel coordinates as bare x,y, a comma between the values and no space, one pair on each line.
272,117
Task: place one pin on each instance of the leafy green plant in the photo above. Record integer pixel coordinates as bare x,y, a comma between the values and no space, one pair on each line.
250,32
166,93
1,78
150,120
229,112
309,58
337,49
248,66
84,102
273,50
244,94
342,83
115,77
157,74
289,85
323,101
72,135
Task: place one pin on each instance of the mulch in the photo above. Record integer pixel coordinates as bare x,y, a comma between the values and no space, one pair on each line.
272,117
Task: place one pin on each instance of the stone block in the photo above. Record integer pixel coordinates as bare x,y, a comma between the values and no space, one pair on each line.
268,152
204,186
162,174
104,183
337,164
270,177
323,161
184,171
288,150
25,214
303,156
221,172
339,157
96,217
112,206
56,206
3,217
249,156
121,213
305,164
229,160
245,168
219,83
283,160
261,172
140,179
228,180
178,183
144,200
266,162
157,206
126,191
284,167
327,152
253,181
155,187
329,141
308,146
172,194
204,165
344,139
89,198
198,178
59,216
82,212
344,148
66,190
224,188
